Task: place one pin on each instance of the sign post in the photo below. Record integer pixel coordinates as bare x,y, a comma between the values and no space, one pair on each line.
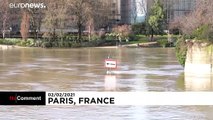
110,64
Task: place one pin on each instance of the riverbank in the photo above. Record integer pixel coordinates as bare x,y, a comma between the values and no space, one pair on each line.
6,47
147,44
16,43
143,45
199,58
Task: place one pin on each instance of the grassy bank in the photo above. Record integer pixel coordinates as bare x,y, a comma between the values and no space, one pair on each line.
57,43
162,40
9,41
70,43
17,41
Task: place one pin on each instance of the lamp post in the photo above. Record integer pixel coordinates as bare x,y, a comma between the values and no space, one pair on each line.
3,34
36,33
10,32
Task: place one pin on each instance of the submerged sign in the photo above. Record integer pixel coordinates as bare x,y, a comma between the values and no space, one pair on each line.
110,63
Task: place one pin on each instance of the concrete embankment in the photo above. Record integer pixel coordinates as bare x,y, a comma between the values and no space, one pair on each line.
199,59
6,47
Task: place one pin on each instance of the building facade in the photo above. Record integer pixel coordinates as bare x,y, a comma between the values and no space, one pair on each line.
121,12
115,13
132,11
174,8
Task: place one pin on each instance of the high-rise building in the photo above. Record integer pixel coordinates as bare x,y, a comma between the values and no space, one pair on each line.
125,11
131,11
121,12
115,15
174,8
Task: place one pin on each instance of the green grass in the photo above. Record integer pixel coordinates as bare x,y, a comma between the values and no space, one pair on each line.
9,41
145,39
16,41
139,41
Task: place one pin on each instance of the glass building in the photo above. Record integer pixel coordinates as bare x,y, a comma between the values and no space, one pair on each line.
174,8
131,11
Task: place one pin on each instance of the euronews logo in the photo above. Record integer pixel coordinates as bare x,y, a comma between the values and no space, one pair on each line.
27,5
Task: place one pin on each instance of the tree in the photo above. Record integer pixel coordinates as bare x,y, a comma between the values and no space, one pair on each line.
85,12
156,19
35,15
5,13
198,23
99,17
25,25
122,31
35,19
82,11
139,28
55,17
75,14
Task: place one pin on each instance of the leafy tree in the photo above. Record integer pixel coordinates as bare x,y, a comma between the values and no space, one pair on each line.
139,28
122,32
156,19
199,23
204,32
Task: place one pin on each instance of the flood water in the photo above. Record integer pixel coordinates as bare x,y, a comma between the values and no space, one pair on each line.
139,69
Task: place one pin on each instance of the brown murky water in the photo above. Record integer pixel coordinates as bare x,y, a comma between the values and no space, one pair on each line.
145,69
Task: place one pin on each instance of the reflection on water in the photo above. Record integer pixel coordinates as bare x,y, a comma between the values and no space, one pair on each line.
146,69
198,82
110,82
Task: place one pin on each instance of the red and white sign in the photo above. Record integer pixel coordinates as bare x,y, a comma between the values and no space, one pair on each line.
110,63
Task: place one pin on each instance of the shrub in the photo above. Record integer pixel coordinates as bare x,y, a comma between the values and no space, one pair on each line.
181,50
76,45
46,45
111,36
70,37
95,37
139,28
163,43
9,41
133,37
204,32
123,31
27,43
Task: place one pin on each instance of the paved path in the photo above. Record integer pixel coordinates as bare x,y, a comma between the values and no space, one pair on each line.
148,44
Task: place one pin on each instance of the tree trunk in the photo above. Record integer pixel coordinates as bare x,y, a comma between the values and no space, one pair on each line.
34,35
3,34
34,32
152,35
54,34
79,32
4,27
89,32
